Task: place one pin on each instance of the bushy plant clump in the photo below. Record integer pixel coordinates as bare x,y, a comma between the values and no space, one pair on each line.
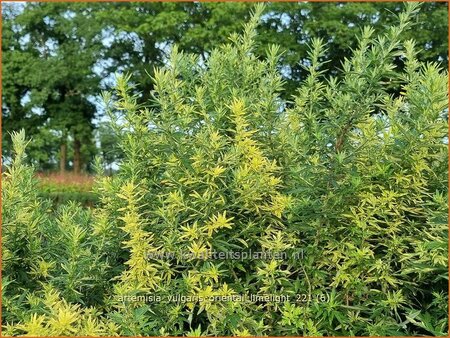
352,172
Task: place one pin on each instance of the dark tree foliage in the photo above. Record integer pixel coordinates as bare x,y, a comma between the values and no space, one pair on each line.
58,57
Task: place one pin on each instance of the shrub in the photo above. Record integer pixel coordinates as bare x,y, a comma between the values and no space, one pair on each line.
53,261
353,172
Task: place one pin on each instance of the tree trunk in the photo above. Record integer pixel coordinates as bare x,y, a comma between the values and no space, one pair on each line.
76,155
63,157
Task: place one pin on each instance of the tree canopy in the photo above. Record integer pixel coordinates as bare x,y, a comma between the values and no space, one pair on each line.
57,58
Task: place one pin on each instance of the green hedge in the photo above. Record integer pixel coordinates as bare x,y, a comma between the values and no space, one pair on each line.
61,197
62,188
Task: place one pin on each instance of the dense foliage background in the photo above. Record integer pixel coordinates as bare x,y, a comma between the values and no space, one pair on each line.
57,57
352,172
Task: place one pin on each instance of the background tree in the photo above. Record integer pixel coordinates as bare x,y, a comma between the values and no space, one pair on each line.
110,151
50,53
58,57
294,25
